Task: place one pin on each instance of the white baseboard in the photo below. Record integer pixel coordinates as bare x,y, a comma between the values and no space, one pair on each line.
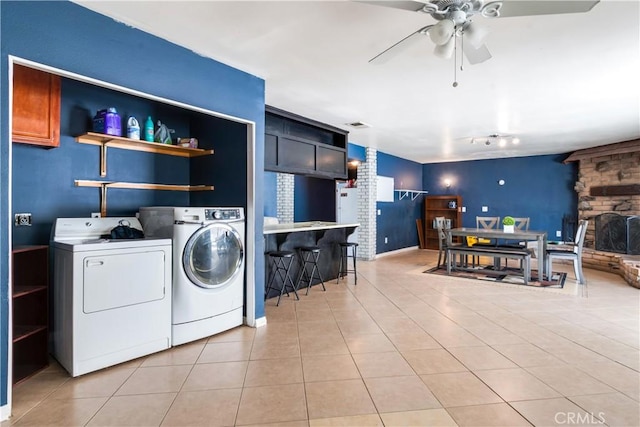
261,321
397,251
5,412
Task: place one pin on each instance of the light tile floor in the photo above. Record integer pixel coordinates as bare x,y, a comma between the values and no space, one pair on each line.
400,348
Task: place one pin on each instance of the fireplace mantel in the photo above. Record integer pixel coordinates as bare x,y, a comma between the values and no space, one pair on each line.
605,150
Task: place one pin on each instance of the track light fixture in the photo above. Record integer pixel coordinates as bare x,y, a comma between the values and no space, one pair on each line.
500,140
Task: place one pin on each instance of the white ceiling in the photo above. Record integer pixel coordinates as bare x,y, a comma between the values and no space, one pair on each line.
558,82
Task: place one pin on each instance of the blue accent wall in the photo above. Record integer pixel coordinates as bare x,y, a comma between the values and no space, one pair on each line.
397,220
314,199
538,187
270,194
70,37
356,152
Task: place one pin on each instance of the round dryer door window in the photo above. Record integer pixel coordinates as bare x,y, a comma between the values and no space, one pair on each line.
213,255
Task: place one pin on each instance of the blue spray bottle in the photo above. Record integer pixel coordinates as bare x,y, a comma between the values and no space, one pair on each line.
148,130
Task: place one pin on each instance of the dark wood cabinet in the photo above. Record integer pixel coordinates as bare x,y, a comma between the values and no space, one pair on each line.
449,207
297,145
36,107
29,293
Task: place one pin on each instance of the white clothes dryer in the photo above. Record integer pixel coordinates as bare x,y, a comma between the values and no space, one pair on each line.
112,298
208,262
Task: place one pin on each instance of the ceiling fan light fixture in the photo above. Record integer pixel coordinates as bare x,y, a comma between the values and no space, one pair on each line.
442,32
457,16
445,51
475,34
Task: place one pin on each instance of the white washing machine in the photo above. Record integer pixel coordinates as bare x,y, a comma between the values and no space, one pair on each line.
112,298
208,267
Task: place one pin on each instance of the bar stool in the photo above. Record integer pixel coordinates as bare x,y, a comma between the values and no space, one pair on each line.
309,256
344,260
282,268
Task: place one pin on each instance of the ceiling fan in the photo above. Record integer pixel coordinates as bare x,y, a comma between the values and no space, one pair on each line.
455,22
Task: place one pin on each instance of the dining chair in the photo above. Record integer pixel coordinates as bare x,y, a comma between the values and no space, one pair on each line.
486,223
521,224
442,239
443,242
573,252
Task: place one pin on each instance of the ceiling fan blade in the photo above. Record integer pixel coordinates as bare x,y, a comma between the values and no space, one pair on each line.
476,55
400,46
545,7
414,6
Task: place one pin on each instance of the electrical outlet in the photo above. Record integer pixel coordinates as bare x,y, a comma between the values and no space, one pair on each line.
22,219
558,233
485,209
95,214
386,240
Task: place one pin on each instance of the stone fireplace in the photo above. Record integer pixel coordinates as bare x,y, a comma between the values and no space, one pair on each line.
608,189
617,233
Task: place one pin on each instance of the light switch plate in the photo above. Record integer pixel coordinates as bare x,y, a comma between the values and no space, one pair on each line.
464,209
379,212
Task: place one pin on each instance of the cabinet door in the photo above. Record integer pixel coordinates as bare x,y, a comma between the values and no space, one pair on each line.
36,107
331,161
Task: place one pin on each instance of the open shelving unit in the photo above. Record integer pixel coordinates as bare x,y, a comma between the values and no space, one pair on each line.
105,141
29,293
438,206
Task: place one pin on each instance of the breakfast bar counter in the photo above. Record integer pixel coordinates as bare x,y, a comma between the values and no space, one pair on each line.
290,236
307,226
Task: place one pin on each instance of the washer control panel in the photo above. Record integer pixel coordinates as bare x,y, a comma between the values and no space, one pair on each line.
222,214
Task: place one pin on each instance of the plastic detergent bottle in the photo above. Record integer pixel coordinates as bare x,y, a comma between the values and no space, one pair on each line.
148,130
133,128
112,122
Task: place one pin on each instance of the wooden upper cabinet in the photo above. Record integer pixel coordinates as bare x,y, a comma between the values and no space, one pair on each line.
36,107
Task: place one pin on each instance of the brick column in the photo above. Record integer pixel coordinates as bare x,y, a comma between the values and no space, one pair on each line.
285,196
367,192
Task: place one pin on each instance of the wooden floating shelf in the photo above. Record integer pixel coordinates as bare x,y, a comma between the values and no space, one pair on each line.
104,185
94,138
142,185
104,141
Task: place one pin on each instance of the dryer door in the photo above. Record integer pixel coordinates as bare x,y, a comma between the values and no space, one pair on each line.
213,256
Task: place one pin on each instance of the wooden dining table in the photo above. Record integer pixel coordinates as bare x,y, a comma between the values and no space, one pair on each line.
520,235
